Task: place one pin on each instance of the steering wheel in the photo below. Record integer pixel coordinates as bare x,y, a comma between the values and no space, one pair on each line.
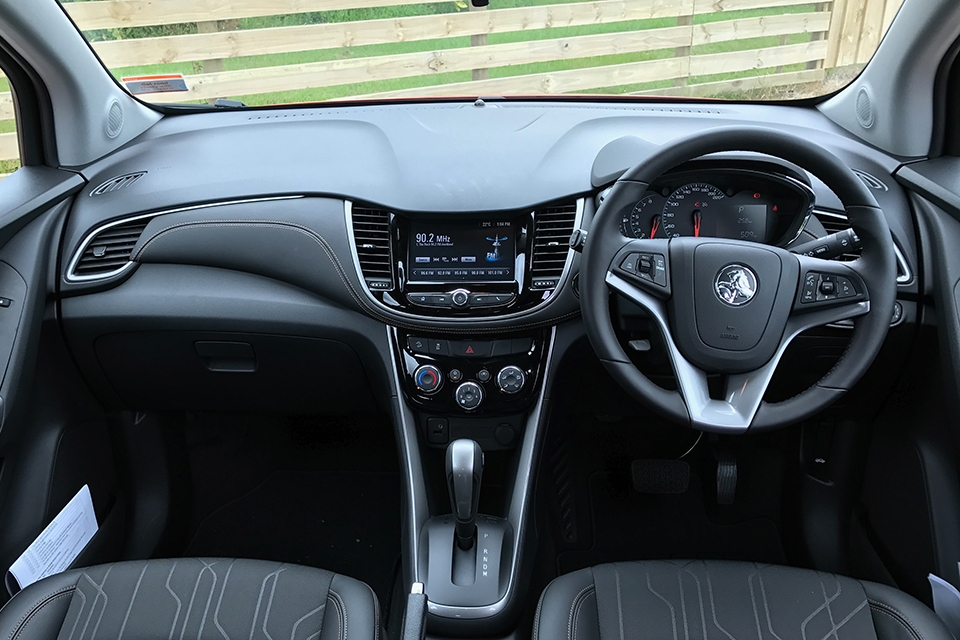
732,307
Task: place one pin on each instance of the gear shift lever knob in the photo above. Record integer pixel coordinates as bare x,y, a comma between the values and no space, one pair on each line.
464,473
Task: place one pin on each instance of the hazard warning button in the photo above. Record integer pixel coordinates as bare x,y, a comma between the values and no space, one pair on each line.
470,348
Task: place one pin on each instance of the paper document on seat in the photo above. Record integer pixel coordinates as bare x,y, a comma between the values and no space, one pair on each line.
59,544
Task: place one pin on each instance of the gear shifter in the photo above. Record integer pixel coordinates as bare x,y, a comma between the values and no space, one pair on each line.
464,472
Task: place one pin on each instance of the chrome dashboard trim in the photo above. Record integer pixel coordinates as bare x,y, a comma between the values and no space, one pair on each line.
565,277
72,277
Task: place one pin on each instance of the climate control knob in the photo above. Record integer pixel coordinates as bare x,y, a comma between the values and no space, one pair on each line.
511,379
469,395
428,379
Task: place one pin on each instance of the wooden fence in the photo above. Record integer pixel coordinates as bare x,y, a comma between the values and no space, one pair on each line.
812,38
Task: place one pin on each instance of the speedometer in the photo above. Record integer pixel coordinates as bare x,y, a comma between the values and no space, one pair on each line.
686,208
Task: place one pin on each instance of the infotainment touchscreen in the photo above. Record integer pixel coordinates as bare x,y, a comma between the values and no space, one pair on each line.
453,251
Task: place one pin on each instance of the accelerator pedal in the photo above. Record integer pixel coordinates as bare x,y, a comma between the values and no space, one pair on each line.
726,476
661,476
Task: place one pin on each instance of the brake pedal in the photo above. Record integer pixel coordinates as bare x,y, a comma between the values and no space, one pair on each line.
660,476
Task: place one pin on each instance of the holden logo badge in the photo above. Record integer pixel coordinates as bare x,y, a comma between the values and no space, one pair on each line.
736,285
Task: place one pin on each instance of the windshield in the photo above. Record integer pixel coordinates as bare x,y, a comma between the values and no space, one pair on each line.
288,51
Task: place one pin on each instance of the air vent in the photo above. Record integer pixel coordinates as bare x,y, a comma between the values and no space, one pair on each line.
115,184
871,181
552,227
108,252
371,232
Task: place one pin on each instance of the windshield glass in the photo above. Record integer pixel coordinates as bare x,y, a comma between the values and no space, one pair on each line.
287,51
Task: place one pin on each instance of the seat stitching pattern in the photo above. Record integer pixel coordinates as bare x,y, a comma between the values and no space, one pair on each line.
338,267
897,616
36,608
376,612
573,606
576,615
336,606
342,610
673,612
536,617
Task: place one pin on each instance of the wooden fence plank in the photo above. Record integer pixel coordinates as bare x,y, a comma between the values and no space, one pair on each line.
889,13
871,30
727,30
849,37
732,61
9,149
837,14
554,82
230,44
720,6
709,89
406,65
109,14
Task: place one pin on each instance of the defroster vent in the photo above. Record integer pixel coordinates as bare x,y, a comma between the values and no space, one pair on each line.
109,250
552,227
371,232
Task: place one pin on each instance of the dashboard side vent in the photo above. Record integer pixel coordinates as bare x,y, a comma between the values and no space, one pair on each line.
871,181
371,232
117,183
552,227
109,251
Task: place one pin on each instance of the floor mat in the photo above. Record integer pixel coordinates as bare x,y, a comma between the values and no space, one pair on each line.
631,526
343,521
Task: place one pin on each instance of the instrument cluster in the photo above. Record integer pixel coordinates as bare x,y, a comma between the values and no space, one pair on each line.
741,204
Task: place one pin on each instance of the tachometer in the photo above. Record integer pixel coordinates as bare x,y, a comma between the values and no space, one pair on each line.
687,208
641,222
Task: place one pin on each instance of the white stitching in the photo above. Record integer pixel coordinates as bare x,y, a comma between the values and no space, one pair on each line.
573,607
342,610
886,609
36,608
576,616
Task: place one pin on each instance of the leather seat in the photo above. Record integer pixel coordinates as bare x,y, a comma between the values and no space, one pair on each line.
679,600
195,599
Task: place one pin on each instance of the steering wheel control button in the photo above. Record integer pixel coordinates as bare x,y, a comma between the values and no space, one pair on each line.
439,348
460,297
428,379
470,349
629,263
736,285
809,292
483,375
418,345
455,375
825,287
469,395
511,379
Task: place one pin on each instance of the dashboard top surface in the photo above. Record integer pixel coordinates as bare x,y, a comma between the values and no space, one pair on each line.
438,157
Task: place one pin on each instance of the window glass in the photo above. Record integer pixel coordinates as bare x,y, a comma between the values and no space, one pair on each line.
313,50
9,150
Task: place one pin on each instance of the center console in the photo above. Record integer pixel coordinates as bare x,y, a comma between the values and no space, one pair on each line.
467,397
